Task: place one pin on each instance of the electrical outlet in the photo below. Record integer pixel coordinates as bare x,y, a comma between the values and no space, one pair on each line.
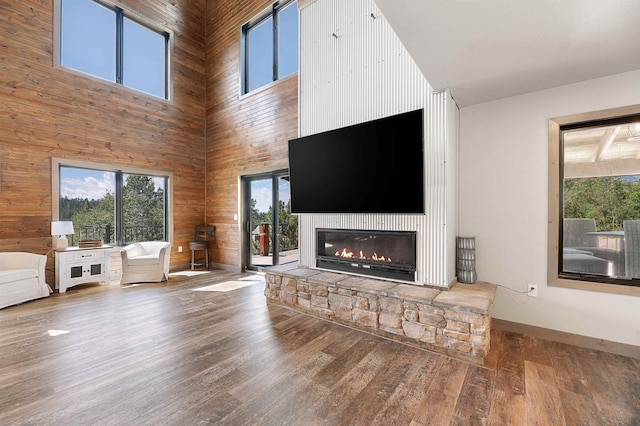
533,290
179,249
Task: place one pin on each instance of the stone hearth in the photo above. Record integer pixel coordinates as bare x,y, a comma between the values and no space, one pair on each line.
455,322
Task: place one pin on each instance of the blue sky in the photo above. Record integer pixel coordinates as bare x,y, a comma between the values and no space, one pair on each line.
90,184
94,184
261,192
261,48
89,45
83,183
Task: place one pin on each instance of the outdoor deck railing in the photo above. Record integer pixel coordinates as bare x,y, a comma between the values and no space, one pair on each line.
105,233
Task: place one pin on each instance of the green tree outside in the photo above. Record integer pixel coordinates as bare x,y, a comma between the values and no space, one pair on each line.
288,226
608,200
143,213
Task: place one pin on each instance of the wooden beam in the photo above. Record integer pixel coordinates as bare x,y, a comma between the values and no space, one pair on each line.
607,139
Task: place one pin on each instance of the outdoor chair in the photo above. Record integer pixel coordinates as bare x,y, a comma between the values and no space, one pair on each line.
581,252
575,233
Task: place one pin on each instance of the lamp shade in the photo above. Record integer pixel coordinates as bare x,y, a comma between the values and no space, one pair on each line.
64,227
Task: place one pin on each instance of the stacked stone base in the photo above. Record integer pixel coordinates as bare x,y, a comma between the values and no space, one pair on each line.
454,322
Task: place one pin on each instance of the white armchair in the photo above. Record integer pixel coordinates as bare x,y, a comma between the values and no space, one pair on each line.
145,262
22,277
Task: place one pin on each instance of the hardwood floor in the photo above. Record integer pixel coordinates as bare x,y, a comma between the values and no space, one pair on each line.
207,349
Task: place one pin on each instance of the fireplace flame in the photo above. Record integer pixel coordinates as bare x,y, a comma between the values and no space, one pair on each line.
344,253
348,254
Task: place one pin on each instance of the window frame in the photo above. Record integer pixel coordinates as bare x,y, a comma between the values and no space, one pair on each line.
56,163
273,13
120,15
554,275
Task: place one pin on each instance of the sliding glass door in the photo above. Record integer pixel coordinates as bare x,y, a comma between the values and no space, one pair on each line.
270,235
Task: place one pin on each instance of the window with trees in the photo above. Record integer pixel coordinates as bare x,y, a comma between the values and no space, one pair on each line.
105,41
270,46
113,206
599,200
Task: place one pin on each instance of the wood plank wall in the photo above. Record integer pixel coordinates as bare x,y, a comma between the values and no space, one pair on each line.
47,111
245,134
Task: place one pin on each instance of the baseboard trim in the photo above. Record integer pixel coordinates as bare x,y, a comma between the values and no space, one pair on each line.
212,266
568,338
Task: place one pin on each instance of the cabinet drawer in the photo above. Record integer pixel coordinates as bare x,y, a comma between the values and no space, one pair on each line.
86,255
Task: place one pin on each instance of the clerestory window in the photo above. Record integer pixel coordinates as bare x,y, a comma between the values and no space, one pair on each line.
106,41
270,46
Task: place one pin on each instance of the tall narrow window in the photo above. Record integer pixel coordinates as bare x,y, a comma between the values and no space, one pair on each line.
287,39
259,55
600,201
270,46
104,41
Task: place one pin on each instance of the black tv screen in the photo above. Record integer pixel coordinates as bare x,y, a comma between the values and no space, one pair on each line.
372,167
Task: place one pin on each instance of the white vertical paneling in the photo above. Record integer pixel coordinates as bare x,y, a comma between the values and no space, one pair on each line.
353,68
453,142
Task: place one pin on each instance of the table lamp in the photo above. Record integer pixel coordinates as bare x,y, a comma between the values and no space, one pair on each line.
62,229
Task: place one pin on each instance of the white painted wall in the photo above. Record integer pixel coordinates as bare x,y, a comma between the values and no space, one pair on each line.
503,203
353,68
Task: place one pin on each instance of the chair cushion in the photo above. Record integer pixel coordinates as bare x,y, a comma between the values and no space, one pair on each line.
11,275
584,263
576,251
144,260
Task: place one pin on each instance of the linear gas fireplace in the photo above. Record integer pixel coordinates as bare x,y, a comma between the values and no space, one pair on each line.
383,254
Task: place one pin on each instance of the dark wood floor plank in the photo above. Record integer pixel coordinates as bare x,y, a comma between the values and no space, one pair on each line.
367,404
579,409
542,397
439,402
507,408
353,381
404,404
474,402
510,364
207,349
611,379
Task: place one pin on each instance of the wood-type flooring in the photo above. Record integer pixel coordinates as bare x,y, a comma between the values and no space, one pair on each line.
205,348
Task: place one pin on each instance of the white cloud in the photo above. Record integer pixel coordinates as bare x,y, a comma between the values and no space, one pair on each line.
87,184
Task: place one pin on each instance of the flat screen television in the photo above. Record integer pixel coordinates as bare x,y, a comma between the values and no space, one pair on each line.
371,167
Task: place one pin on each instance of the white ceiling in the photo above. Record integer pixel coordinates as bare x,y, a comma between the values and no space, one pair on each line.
484,50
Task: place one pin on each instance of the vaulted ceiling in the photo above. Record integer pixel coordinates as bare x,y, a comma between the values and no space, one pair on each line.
484,50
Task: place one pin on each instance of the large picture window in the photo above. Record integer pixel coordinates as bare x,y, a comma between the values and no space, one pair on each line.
106,42
113,206
599,201
270,46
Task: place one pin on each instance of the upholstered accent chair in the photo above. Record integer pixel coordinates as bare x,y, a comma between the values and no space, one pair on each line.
22,278
145,262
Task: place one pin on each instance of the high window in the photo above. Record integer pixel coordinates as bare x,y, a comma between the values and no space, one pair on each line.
270,46
598,220
113,206
107,42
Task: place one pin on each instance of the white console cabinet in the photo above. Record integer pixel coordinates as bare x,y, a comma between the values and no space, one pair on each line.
76,265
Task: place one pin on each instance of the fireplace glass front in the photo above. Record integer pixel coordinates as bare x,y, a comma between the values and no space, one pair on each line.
383,254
